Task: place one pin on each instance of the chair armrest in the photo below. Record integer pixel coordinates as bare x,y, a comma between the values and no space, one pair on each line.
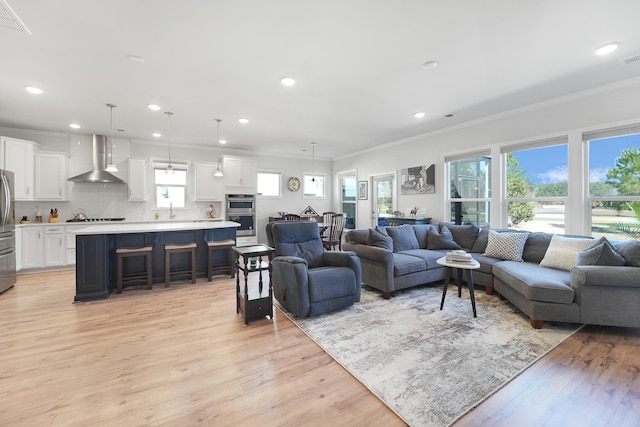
604,275
372,253
290,260
346,259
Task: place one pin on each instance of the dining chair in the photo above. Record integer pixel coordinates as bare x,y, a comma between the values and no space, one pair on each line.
334,233
291,217
326,219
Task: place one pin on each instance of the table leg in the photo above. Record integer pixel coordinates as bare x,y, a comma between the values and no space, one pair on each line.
259,276
246,290
459,282
473,298
447,277
237,268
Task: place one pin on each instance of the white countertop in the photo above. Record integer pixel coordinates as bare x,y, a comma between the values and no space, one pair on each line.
77,224
148,227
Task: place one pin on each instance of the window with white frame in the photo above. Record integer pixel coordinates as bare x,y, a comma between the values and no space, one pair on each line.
171,188
614,182
469,188
348,191
269,184
313,185
537,185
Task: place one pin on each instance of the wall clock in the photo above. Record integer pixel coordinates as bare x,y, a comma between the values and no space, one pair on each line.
294,184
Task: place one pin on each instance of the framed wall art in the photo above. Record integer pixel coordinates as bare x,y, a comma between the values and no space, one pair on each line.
417,180
363,190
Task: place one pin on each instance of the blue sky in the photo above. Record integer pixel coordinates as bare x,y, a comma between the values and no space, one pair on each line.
548,165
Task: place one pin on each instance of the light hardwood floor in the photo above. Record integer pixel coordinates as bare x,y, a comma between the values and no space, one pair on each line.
182,357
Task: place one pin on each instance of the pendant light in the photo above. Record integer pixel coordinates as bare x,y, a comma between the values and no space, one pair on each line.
111,167
218,171
169,168
314,184
313,161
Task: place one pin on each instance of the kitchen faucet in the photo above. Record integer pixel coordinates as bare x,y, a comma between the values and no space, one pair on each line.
171,214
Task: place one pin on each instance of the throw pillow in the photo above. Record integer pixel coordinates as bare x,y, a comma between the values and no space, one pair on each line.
404,238
465,235
630,250
562,253
376,238
442,239
600,253
481,243
508,245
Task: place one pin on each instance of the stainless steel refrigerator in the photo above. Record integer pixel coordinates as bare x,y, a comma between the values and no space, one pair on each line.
7,232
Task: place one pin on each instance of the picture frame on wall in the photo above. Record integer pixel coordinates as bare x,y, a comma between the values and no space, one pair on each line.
363,190
418,180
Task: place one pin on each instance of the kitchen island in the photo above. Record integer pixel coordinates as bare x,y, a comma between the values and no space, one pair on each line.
96,244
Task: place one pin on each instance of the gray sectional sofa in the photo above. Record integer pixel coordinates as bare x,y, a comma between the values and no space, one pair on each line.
605,290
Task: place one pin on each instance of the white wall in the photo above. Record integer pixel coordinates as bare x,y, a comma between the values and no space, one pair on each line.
603,107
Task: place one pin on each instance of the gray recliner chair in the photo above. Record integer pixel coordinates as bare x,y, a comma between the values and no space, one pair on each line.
306,279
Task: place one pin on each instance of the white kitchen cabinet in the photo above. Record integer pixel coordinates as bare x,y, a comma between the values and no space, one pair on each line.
137,179
71,248
17,156
33,247
50,175
18,248
208,187
240,174
55,253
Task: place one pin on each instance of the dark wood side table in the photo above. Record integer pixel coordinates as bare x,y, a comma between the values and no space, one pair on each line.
251,302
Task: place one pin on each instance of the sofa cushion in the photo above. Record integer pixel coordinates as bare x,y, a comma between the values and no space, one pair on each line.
376,238
442,239
465,235
404,238
486,263
630,250
506,246
562,253
536,246
428,256
534,282
406,264
600,253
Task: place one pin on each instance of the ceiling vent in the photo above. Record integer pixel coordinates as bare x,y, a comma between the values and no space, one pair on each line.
9,20
630,60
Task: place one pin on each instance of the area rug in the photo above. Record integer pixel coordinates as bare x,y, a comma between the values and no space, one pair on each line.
431,366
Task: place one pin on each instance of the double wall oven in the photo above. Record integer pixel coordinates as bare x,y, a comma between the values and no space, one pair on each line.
241,208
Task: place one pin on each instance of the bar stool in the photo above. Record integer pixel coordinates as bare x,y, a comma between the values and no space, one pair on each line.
122,253
170,249
223,245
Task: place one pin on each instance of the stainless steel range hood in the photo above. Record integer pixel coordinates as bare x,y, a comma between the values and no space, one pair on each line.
98,174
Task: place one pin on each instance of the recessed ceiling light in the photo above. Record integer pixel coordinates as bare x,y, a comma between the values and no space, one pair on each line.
607,48
34,90
243,121
74,126
157,134
223,141
287,81
135,58
419,114
429,65
154,107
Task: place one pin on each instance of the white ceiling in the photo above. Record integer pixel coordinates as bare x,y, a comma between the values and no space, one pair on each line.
357,64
